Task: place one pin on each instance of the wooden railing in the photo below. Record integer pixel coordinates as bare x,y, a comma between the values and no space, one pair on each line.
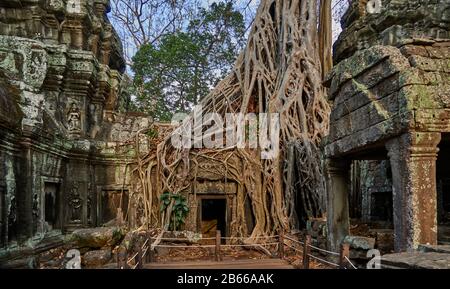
144,253
307,248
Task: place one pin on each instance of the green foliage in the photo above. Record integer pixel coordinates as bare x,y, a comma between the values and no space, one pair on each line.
180,209
220,29
152,133
174,74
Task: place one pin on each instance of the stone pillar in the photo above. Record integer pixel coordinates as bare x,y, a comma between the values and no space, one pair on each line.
338,188
24,201
77,38
413,161
3,220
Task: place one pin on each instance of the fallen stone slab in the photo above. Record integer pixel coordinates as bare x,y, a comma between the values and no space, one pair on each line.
416,260
96,258
359,242
22,263
435,248
359,246
96,237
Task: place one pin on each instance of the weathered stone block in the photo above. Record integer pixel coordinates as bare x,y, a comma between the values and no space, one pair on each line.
429,64
365,60
384,240
371,114
416,260
96,237
435,248
360,243
96,258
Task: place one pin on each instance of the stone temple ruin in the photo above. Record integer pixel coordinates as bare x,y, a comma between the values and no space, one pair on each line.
65,149
390,121
61,79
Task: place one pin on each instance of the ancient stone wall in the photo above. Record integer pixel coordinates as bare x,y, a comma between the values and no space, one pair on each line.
370,197
390,91
61,156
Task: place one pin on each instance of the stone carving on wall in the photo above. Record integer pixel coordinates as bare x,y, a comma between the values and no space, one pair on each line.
73,6
12,216
56,5
75,204
90,195
60,60
35,211
94,111
74,118
215,187
38,61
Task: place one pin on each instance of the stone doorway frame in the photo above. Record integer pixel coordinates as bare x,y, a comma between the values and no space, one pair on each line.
59,227
412,156
228,211
100,191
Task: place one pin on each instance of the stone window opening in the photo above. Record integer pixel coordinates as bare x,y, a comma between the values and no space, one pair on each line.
51,205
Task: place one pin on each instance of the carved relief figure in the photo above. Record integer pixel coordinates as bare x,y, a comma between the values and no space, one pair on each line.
76,204
35,206
94,114
73,118
89,203
12,214
73,6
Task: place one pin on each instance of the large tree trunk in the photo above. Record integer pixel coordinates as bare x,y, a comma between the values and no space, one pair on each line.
325,37
278,72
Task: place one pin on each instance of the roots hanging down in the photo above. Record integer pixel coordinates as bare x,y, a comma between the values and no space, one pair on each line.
278,72
305,189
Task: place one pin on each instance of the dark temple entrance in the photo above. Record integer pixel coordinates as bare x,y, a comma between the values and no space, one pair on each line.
213,216
443,190
51,205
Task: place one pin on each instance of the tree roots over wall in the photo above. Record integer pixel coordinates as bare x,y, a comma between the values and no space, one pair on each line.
278,72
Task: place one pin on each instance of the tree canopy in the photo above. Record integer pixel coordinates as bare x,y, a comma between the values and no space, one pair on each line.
173,74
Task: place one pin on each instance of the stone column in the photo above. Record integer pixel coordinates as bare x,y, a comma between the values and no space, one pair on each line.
413,161
77,40
3,221
25,190
338,188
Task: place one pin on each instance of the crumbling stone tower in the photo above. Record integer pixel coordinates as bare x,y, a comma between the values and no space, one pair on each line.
61,76
390,90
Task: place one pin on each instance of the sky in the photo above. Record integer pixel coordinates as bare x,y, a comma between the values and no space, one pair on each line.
338,8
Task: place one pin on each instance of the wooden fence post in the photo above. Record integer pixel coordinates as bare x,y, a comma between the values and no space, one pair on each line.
148,256
281,244
306,250
122,258
218,241
345,252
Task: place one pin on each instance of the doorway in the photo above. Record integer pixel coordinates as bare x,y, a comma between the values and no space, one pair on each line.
213,216
51,205
443,180
111,200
